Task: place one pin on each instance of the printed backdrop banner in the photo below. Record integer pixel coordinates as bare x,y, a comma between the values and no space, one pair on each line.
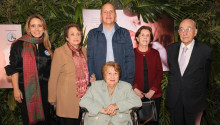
163,30
8,34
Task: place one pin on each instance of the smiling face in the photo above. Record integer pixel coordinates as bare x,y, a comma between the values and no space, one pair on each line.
108,14
187,31
36,27
111,76
74,37
144,37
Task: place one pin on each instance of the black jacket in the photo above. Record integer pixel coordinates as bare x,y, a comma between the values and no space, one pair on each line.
43,62
192,85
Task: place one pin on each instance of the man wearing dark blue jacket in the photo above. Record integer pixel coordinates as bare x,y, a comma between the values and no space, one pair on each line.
109,42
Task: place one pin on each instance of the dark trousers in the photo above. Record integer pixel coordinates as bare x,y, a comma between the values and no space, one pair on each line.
157,103
180,116
46,105
68,121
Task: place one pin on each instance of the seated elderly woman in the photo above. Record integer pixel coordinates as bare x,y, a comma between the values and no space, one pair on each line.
108,101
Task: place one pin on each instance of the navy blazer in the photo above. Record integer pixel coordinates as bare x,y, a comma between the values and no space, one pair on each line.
192,85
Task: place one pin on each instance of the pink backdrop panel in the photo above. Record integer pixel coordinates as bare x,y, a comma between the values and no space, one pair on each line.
8,34
163,30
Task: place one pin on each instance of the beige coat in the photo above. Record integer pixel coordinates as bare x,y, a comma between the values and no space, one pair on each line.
62,83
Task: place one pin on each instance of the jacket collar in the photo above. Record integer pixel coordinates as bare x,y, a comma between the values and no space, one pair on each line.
193,56
67,49
116,93
104,85
100,28
69,52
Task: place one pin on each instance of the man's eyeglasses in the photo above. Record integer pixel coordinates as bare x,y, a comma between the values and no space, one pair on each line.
189,29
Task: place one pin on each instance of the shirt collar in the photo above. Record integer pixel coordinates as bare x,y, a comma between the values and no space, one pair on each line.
111,31
189,47
100,28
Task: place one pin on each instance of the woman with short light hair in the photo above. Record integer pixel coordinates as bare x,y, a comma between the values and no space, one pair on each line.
108,101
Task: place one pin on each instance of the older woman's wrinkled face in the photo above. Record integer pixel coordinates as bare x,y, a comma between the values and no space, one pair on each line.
144,38
111,76
74,37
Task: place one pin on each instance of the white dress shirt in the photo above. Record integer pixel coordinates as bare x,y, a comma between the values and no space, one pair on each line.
188,52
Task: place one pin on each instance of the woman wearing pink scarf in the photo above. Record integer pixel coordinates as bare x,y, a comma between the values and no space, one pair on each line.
69,76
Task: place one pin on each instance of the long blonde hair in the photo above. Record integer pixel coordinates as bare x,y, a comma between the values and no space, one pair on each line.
46,42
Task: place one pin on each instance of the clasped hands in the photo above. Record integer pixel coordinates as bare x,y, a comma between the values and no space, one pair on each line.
111,110
148,95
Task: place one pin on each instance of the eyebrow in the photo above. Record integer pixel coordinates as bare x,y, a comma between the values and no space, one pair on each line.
187,27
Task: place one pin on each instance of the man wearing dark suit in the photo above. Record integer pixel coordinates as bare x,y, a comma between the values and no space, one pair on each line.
189,62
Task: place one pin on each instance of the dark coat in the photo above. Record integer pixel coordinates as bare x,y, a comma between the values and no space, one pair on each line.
122,49
43,62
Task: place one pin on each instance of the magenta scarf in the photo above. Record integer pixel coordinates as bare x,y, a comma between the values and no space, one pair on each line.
81,70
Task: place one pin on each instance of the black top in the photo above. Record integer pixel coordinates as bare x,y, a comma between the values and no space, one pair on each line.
146,82
43,62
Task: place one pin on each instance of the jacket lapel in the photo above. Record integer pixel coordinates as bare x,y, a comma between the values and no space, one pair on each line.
84,52
176,56
107,100
116,93
192,58
68,51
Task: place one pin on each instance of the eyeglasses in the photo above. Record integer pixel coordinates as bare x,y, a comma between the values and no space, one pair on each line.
189,29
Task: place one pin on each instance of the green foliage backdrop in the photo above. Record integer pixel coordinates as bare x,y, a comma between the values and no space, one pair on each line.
58,13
